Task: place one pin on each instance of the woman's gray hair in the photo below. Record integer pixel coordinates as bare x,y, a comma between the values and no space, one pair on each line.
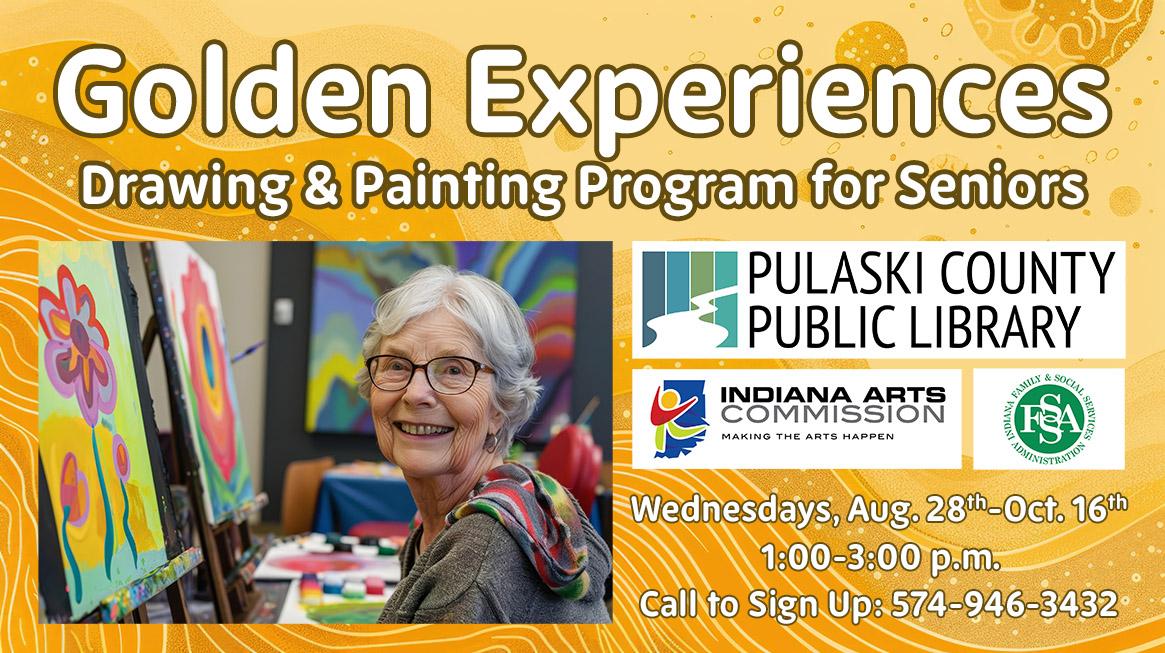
490,313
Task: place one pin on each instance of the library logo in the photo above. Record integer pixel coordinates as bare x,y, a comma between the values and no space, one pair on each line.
689,298
679,415
1049,419
754,300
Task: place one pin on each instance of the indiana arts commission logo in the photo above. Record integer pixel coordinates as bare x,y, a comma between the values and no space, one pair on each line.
1049,419
689,297
678,415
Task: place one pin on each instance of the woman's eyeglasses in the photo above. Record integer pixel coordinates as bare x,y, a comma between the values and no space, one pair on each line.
447,375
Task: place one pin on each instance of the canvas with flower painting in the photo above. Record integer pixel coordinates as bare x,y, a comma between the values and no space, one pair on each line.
94,449
194,342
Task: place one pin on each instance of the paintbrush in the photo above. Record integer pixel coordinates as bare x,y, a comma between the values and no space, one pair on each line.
247,352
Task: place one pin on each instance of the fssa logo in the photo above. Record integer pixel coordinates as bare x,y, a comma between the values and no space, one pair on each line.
689,297
1050,422
678,413
1049,418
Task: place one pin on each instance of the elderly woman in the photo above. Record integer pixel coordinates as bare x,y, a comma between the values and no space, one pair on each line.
448,378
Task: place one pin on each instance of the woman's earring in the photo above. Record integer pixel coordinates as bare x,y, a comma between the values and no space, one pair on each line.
491,442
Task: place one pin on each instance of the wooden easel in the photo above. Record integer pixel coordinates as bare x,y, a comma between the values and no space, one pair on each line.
229,552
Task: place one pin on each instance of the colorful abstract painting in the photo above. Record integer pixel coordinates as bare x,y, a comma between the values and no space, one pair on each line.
196,350
92,429
348,277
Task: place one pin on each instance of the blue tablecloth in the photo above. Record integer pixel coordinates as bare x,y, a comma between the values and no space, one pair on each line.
346,499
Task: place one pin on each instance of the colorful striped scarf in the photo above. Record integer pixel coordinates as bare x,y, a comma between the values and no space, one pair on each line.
538,513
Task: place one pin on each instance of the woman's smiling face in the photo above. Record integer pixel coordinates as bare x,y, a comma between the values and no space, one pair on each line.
426,433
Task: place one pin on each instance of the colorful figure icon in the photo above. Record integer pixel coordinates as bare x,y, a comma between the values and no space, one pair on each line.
677,413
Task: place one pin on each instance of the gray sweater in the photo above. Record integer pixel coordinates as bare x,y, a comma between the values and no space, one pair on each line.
474,572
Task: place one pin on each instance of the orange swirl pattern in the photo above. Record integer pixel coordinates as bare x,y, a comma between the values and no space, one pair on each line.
1060,33
38,163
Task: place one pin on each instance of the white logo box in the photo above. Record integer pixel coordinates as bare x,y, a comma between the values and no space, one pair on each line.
914,446
1097,332
994,388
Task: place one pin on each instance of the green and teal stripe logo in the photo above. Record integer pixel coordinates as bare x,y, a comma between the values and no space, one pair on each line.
689,295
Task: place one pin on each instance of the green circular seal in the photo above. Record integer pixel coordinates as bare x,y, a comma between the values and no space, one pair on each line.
1050,419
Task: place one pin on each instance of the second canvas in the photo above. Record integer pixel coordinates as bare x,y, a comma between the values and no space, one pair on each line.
199,362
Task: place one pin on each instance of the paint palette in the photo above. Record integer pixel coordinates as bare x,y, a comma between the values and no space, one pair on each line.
292,560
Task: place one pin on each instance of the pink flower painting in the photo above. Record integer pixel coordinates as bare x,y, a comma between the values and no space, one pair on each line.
76,355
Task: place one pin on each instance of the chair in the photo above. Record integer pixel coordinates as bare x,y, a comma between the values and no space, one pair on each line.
573,459
301,490
588,480
387,529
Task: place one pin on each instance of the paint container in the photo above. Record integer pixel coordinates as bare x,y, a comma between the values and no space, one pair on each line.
342,547
311,596
318,547
310,592
386,550
353,590
365,551
332,538
333,584
374,585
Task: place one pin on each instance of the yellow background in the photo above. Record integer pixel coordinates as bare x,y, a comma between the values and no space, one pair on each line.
38,166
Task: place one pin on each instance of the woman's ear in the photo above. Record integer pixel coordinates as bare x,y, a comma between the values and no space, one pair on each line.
496,419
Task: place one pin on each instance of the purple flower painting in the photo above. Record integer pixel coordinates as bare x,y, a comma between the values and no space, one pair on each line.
76,356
